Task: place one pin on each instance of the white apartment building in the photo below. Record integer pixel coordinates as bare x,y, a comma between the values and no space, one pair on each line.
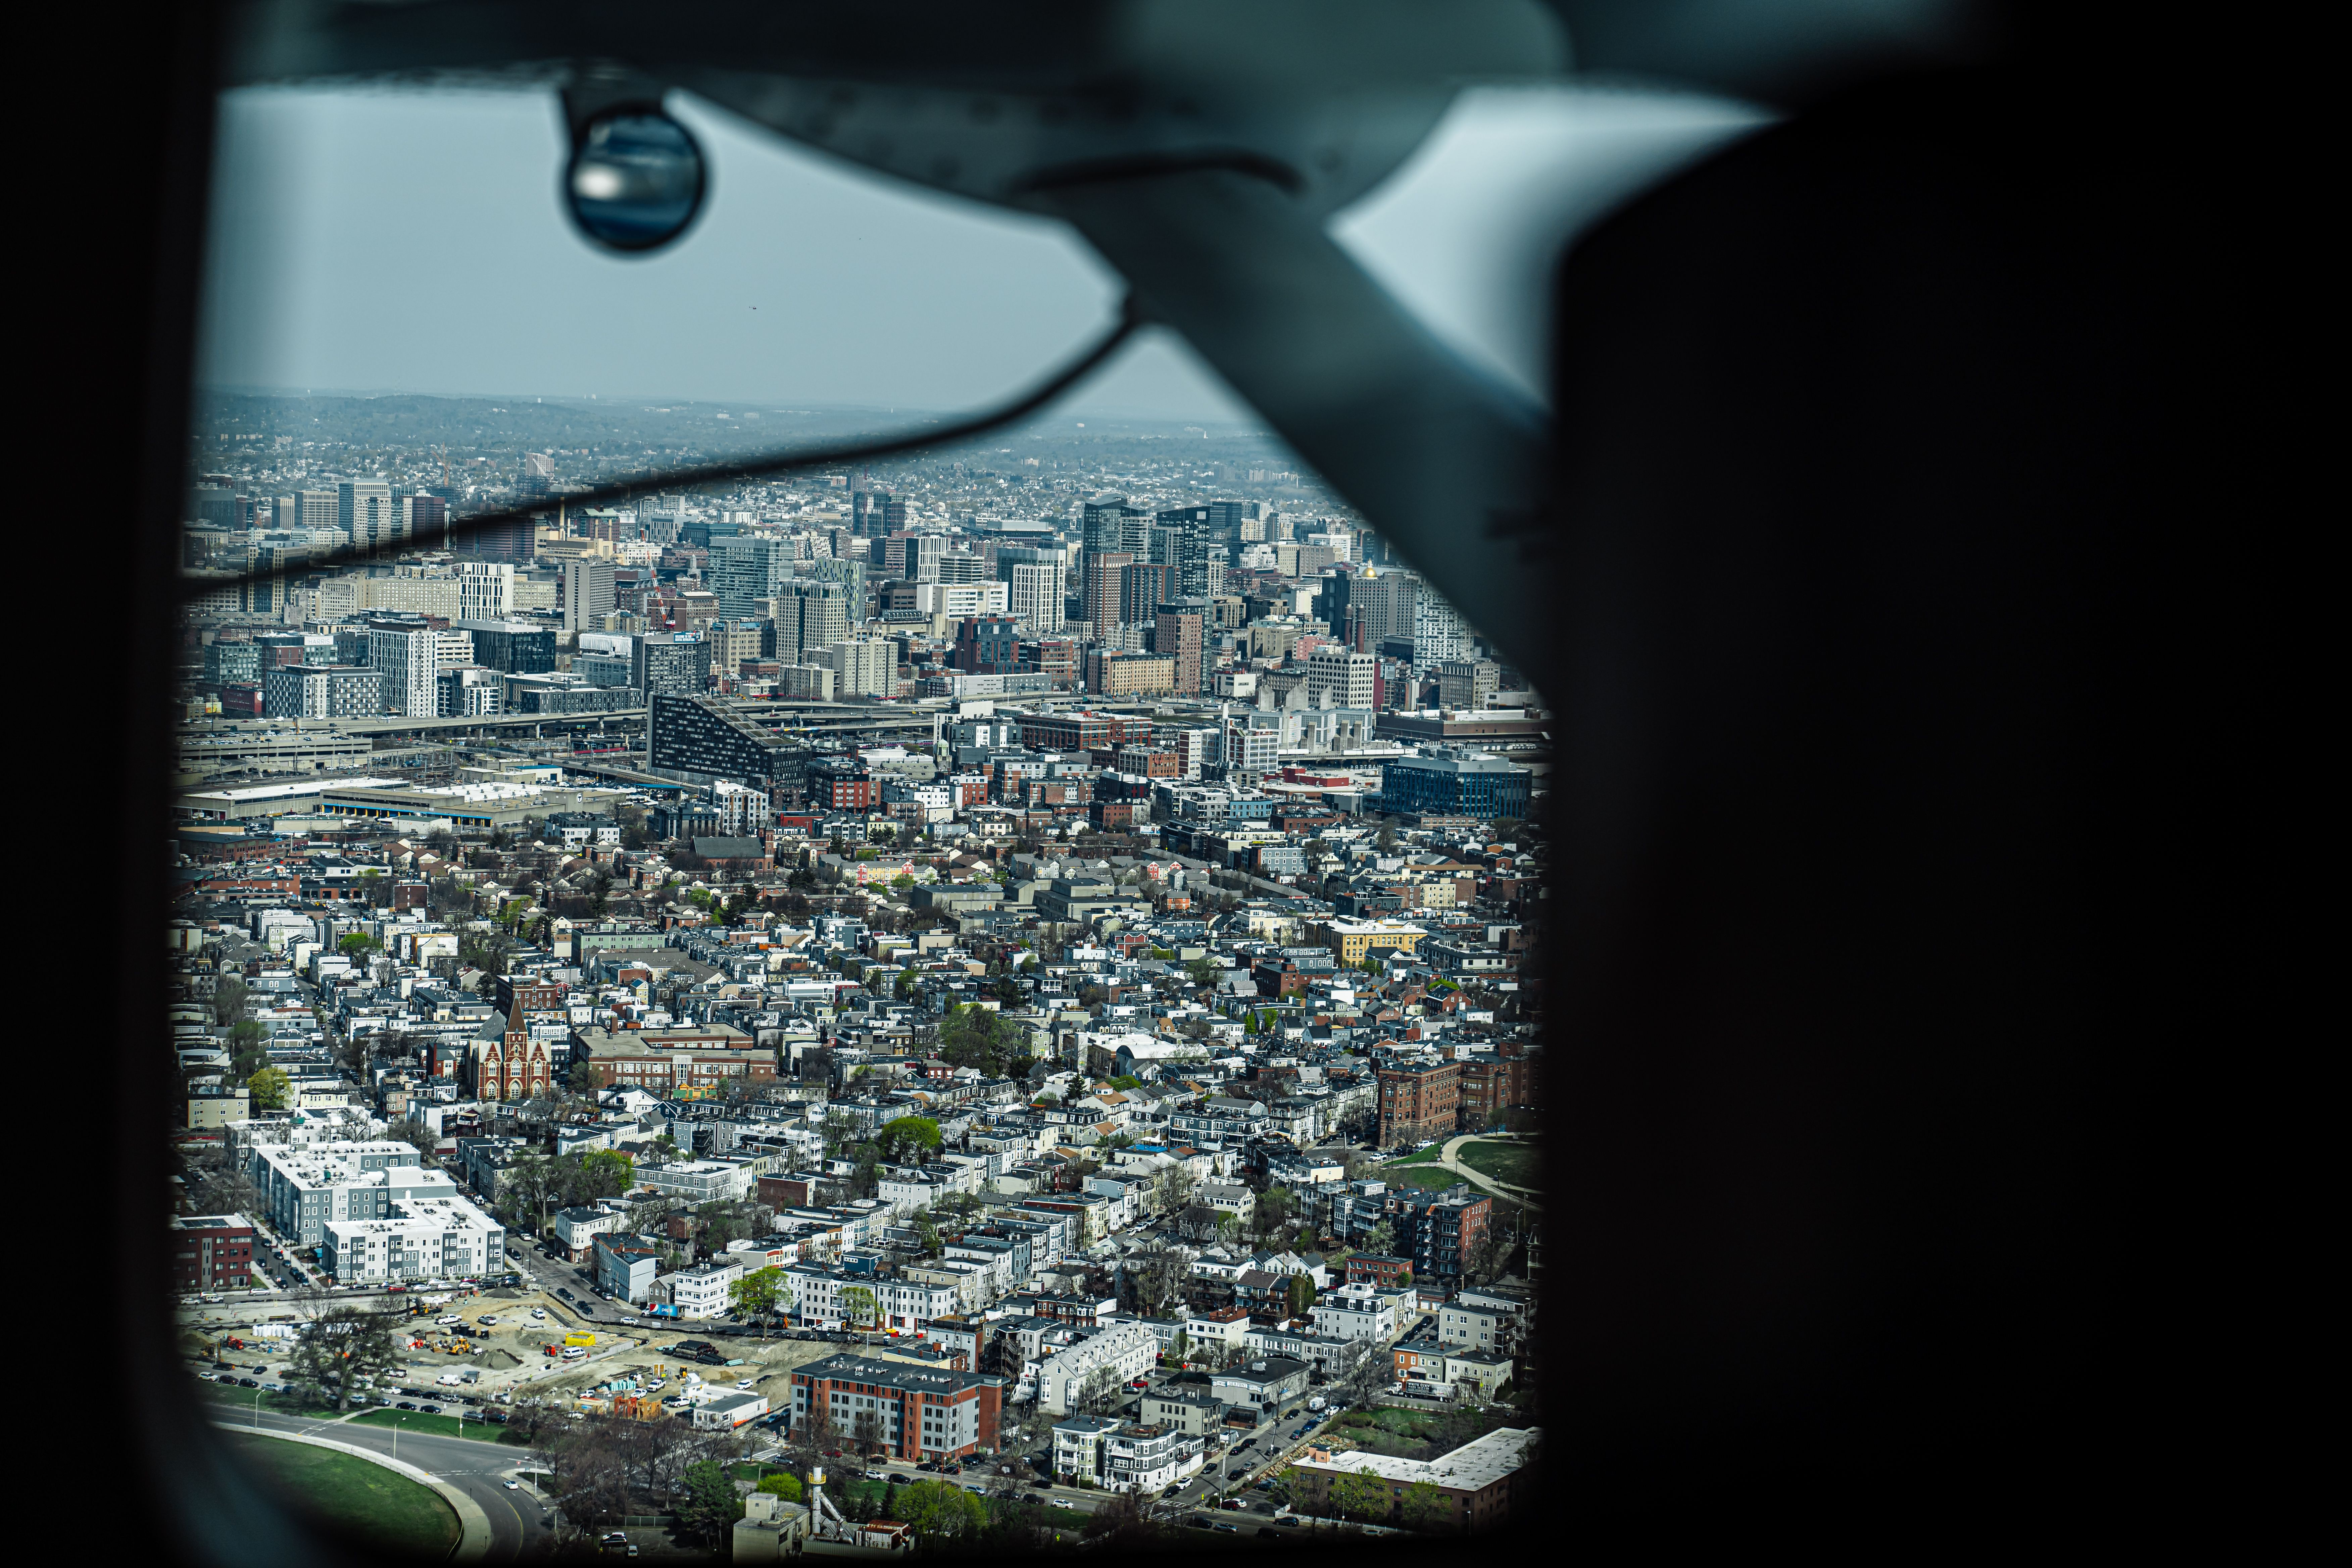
743,811
422,1238
303,1189
909,1304
1035,595
956,600
1129,1349
863,668
701,1291
1357,1312
699,1181
366,513
486,590
408,660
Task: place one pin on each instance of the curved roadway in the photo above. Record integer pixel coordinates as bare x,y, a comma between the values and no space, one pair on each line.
518,1519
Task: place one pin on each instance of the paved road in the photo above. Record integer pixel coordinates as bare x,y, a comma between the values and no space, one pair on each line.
1500,1189
518,1519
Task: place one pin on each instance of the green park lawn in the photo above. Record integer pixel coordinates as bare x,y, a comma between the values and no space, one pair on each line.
1515,1164
436,1425
1436,1178
350,1496
237,1398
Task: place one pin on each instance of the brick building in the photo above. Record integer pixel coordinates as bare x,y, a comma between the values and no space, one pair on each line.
908,1412
212,1252
1437,1230
1418,1102
1489,1084
632,1058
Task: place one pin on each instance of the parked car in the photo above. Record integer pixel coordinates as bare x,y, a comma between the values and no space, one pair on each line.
407,1405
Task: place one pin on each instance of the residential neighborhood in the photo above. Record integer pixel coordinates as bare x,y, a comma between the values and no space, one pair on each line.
1111,1094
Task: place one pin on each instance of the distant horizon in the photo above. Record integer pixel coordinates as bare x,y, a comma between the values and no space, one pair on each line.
640,400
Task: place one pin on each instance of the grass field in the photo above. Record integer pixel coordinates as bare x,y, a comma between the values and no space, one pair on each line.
242,1399
434,1426
350,1496
1436,1178
1518,1164
1428,1156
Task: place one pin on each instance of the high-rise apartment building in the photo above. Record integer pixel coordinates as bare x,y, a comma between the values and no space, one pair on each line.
587,592
733,641
748,567
987,645
1181,538
1099,604
875,513
810,614
425,520
406,655
867,667
1340,678
1107,524
311,510
1034,593
1180,635
321,692
512,648
465,690
1143,588
365,511
1438,633
706,735
677,664
485,590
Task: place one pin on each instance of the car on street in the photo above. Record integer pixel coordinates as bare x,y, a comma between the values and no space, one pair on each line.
406,1405
514,1486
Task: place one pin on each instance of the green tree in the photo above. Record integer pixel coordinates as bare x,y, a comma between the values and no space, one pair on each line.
1381,1239
228,999
908,1138
1424,1507
904,987
976,1036
1360,1494
1180,1345
858,1305
270,1089
1203,972
1273,1210
605,1173
941,1513
339,1347
708,1504
754,1296
1301,1294
787,1487
358,944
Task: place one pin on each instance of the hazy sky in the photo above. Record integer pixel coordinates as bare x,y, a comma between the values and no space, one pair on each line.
412,241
